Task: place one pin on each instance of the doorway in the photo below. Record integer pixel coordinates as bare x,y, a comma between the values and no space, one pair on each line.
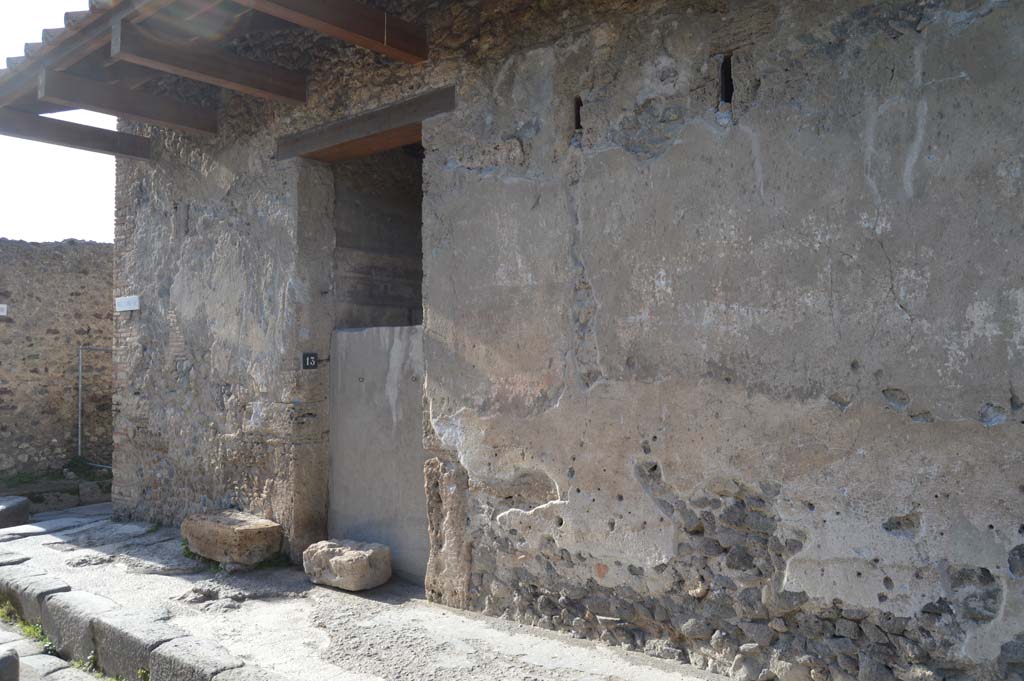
376,452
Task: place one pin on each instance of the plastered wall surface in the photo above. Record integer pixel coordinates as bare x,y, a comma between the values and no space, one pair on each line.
58,297
734,386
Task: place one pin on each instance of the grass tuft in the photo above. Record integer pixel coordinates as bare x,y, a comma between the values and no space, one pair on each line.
27,629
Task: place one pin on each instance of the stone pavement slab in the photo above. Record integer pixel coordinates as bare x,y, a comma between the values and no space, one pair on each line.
100,510
164,558
11,558
42,664
98,534
55,524
248,674
23,646
8,573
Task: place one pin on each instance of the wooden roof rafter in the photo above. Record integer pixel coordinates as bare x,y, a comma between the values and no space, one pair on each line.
62,133
71,46
101,57
56,87
352,22
207,65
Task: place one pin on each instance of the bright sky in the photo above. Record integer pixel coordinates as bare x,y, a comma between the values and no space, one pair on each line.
50,193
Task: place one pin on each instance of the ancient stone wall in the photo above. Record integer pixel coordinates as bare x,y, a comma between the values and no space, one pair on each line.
738,384
58,297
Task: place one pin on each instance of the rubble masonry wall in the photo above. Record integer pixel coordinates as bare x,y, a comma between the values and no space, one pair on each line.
740,387
58,297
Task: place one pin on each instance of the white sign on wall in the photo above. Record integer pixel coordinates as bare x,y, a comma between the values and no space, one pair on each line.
126,303
3,310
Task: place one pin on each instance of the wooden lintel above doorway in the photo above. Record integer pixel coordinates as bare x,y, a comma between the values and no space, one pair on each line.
390,127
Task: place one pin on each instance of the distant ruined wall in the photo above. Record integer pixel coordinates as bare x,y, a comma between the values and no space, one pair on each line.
58,297
734,385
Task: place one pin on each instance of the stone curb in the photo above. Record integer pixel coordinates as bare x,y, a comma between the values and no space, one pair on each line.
13,511
80,623
190,659
124,641
10,666
68,622
27,589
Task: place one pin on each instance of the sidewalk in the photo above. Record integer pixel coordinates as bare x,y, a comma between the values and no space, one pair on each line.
277,620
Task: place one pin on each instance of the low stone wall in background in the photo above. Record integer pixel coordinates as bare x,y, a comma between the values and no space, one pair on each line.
58,297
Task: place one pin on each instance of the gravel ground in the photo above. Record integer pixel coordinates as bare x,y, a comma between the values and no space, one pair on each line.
276,619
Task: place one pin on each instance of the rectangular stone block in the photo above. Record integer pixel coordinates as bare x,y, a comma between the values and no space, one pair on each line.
10,666
42,665
23,646
30,593
13,511
68,619
190,659
232,537
125,641
26,588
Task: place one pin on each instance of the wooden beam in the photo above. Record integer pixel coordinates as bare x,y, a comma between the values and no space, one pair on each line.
92,32
207,65
62,133
378,124
194,21
29,104
62,88
373,144
94,67
352,22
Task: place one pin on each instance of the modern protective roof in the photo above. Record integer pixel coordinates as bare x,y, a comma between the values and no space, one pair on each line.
102,58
